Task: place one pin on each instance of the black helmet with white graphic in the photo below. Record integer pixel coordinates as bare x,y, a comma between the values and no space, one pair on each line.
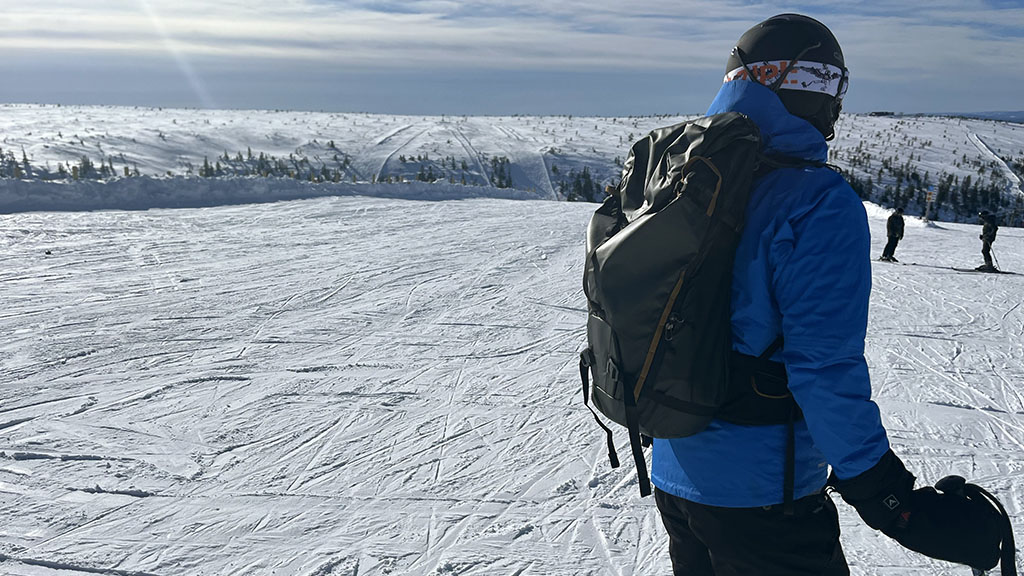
801,60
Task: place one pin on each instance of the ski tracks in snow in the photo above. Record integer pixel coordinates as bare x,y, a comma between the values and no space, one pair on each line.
388,398
384,143
474,156
986,151
373,387
529,166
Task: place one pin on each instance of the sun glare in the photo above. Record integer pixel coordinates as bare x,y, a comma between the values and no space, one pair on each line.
180,58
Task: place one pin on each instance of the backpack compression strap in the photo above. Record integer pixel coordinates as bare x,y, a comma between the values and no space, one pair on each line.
586,361
637,441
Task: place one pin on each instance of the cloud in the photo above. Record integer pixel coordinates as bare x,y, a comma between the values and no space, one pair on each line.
506,35
895,43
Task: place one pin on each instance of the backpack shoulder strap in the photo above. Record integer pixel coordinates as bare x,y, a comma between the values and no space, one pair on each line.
772,348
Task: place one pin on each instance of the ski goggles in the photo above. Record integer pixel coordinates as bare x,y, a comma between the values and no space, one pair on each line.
801,75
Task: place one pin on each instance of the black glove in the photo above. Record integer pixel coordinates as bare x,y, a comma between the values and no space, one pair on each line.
947,526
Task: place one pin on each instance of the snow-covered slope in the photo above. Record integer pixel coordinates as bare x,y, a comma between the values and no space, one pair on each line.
377,386
542,155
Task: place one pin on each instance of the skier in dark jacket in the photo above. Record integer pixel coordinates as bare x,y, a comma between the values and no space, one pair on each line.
894,230
988,236
731,499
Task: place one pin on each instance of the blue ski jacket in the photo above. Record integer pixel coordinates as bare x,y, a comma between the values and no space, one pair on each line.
803,270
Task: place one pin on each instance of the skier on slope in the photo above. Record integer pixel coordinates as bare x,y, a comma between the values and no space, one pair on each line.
894,231
801,271
988,236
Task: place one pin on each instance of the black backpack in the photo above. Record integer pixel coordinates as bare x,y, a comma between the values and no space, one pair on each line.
658,279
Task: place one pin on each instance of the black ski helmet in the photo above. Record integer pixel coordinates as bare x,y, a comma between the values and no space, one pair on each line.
801,60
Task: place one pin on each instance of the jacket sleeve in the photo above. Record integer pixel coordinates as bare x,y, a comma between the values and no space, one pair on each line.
822,282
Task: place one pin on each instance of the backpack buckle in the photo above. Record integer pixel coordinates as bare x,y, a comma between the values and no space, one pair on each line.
673,324
612,370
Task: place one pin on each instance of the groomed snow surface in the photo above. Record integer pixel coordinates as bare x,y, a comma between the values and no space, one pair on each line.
543,156
369,386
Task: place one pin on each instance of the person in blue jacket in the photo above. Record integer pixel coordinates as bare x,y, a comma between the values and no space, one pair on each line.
802,271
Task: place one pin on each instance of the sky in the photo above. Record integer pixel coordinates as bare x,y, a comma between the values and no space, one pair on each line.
594,57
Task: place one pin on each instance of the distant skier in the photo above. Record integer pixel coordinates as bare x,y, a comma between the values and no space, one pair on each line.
894,229
988,236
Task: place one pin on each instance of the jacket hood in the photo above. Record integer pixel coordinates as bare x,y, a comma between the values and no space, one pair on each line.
783,134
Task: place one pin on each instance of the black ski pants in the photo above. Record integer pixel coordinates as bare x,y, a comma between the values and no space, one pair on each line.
712,541
890,247
986,252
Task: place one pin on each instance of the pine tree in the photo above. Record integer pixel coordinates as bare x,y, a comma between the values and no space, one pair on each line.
86,169
25,164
